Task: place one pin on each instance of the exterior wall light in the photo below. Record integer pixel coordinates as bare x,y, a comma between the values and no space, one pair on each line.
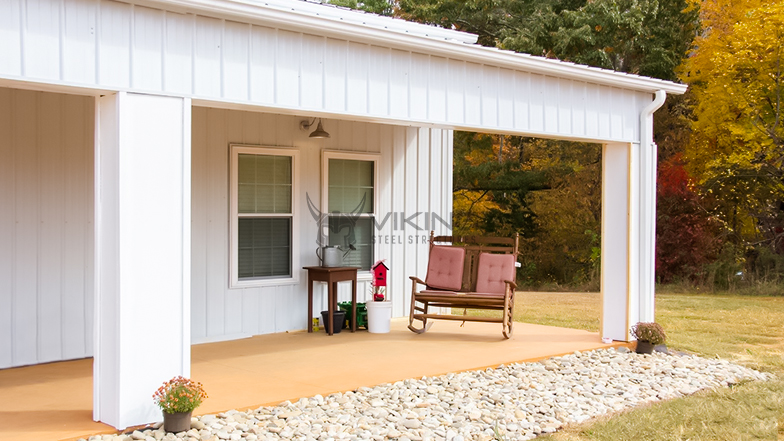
318,133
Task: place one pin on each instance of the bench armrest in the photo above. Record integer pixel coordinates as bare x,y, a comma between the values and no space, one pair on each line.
512,284
417,280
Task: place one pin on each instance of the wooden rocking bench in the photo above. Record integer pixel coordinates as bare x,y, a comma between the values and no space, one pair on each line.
469,272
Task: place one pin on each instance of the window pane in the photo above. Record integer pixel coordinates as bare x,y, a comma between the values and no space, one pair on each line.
265,169
247,169
264,247
246,198
282,199
345,230
349,182
283,170
264,184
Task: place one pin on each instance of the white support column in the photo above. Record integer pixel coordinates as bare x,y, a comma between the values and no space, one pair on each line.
620,264
142,253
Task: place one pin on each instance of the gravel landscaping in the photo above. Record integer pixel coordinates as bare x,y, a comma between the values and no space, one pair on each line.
516,401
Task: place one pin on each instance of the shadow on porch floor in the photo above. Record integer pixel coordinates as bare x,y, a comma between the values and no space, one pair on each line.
54,401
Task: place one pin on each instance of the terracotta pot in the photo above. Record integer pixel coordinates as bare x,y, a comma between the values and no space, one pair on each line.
177,422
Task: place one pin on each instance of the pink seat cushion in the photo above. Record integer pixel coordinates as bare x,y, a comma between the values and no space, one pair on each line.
493,270
445,268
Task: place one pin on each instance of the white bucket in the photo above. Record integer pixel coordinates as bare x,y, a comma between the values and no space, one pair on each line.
379,316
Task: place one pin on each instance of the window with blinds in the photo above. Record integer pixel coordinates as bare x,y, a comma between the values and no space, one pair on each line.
263,204
351,208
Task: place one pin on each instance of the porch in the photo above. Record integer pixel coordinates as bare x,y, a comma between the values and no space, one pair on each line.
54,401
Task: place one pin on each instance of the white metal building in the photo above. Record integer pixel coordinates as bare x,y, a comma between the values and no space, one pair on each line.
152,165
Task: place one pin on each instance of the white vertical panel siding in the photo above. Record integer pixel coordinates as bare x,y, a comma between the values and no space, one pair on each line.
436,99
506,117
578,108
114,44
472,87
408,156
378,78
398,83
521,105
455,104
207,42
7,225
79,41
147,54
419,75
42,40
536,102
11,37
397,170
565,95
287,68
357,78
312,72
236,61
46,181
490,91
178,49
262,71
335,56
146,49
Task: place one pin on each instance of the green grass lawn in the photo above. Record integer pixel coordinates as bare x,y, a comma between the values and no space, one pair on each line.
746,330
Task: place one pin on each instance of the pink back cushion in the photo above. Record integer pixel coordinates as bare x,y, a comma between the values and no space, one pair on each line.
445,268
493,270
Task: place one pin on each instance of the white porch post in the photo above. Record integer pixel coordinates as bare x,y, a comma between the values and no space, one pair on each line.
142,253
629,229
619,257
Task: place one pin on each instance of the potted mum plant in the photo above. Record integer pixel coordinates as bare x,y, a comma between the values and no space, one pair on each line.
648,335
177,398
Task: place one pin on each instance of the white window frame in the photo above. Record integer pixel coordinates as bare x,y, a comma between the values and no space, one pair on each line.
234,151
326,155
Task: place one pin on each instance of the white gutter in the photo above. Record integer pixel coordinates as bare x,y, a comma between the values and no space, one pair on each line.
402,36
648,160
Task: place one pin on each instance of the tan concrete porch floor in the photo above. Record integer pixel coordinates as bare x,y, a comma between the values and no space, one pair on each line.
54,401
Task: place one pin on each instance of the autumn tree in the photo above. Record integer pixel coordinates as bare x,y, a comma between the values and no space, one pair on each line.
737,146
380,7
646,37
550,191
687,236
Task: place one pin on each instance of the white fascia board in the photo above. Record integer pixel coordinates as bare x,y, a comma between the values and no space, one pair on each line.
409,36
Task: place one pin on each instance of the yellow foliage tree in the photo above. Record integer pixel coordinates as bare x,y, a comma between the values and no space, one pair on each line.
737,146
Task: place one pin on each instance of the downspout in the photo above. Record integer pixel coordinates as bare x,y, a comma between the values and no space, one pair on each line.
648,157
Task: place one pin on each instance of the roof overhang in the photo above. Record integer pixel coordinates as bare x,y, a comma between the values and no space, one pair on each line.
328,20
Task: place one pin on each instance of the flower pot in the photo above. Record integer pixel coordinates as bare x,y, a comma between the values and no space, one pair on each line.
644,347
338,318
177,422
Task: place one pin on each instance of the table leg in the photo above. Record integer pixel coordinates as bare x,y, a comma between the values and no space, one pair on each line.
331,306
310,303
354,305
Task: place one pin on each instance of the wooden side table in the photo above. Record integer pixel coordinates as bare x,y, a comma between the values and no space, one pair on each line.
332,275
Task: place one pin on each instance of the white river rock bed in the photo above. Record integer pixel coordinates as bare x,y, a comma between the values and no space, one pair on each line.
517,401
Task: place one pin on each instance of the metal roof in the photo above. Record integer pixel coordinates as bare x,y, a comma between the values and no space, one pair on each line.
324,19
